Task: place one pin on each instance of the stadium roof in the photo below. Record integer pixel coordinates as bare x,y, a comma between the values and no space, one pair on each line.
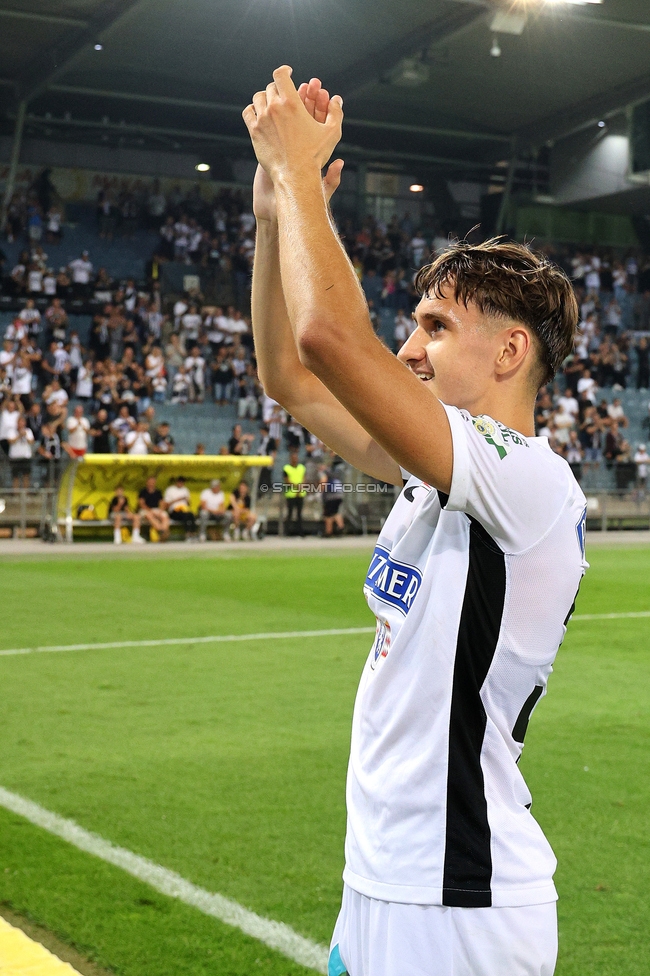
421,86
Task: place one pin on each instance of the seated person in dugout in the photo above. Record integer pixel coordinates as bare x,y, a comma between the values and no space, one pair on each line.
243,520
153,510
177,502
120,513
213,508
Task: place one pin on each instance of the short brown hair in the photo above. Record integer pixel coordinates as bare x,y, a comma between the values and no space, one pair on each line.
509,280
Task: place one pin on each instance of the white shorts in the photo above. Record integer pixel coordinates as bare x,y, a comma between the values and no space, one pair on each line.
380,938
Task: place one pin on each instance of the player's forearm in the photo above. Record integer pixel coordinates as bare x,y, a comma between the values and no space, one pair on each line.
277,357
322,293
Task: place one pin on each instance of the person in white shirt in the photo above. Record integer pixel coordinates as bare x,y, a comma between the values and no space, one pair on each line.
238,326
9,417
81,270
404,326
191,325
418,247
587,386
31,316
214,329
180,308
61,358
195,369
16,330
49,283
154,363
474,574
568,404
616,412
178,503
77,427
212,508
642,460
21,379
21,448
138,441
84,389
76,360
34,280
55,395
592,278
181,386
54,219
7,356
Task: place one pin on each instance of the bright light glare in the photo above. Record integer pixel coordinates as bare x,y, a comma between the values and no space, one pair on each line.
202,167
601,125
579,3
416,188
99,47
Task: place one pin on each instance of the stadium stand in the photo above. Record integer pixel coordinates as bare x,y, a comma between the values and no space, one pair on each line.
115,308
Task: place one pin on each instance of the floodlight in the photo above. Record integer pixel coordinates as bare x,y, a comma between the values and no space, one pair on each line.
495,50
99,47
202,167
601,124
416,188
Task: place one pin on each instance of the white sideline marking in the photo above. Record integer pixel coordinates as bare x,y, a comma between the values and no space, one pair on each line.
218,639
611,616
273,635
277,935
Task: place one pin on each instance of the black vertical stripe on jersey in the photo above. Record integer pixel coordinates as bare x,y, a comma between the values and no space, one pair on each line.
468,860
521,725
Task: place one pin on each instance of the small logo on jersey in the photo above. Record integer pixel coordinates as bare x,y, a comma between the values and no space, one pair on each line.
391,581
581,532
408,492
381,646
500,437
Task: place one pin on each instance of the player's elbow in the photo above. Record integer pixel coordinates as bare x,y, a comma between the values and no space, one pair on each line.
317,345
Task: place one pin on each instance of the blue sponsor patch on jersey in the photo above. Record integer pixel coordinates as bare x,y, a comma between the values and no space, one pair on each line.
581,532
391,581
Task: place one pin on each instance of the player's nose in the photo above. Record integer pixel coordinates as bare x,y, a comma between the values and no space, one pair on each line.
413,351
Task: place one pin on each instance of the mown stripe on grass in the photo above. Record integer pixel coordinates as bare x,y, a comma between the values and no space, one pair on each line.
276,935
165,642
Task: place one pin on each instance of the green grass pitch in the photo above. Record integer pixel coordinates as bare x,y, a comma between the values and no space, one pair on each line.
226,762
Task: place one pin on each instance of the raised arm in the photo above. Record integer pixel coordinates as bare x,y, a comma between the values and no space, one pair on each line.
281,372
324,301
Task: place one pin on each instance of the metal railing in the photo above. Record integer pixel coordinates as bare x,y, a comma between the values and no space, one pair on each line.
28,512
616,510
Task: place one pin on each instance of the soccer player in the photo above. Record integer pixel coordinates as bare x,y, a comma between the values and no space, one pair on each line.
474,574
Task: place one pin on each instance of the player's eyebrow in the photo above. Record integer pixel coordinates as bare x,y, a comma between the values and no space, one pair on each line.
433,316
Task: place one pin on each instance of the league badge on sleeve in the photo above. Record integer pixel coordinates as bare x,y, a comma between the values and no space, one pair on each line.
500,437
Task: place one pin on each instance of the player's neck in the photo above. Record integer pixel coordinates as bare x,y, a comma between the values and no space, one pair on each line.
510,409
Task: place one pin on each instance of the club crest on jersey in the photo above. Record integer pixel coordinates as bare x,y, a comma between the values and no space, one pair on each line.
500,437
391,581
381,646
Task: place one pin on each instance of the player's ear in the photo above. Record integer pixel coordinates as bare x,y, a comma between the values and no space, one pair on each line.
514,349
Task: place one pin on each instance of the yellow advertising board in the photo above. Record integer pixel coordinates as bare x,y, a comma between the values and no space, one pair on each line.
93,479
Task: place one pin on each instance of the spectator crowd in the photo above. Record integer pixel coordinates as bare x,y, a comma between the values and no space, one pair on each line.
60,395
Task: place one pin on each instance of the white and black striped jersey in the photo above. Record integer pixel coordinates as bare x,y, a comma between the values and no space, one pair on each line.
472,593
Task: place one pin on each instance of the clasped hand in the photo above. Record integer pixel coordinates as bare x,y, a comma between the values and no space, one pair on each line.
293,132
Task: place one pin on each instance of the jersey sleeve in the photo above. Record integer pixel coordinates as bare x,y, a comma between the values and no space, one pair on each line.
515,490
